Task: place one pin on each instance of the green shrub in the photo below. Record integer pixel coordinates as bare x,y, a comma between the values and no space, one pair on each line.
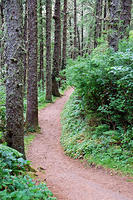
97,121
105,85
14,183
98,144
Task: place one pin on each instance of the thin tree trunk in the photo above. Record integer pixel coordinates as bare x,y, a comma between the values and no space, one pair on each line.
41,45
1,35
56,55
71,39
125,17
82,31
78,37
48,50
105,14
32,93
98,22
64,36
75,29
14,52
114,24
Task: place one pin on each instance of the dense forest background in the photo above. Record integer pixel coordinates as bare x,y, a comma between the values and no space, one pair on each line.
48,45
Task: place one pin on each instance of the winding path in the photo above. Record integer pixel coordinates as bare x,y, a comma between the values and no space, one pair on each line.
67,178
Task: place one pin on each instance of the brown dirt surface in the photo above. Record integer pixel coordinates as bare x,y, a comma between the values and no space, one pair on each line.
70,179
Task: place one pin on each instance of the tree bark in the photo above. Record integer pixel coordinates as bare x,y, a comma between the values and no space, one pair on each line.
25,42
82,31
41,45
98,22
71,38
125,17
48,50
114,24
64,36
32,93
78,37
75,29
14,52
56,55
1,35
105,15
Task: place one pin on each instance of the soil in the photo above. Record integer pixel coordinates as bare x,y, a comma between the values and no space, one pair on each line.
70,179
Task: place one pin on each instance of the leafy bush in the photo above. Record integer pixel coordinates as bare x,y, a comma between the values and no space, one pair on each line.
98,144
105,84
14,183
97,121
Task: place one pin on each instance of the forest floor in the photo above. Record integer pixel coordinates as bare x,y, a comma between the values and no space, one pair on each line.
70,179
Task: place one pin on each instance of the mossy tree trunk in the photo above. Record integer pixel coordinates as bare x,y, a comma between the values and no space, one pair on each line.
1,34
64,35
75,29
25,41
41,72
14,52
71,37
82,30
125,17
56,55
32,93
98,22
48,50
113,36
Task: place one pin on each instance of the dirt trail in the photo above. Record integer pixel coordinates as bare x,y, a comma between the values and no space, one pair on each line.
67,178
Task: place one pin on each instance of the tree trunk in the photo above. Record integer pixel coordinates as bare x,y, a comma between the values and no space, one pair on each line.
78,37
125,17
25,42
114,24
41,45
1,35
98,22
48,50
71,38
105,15
14,52
82,31
56,55
64,36
32,94
75,29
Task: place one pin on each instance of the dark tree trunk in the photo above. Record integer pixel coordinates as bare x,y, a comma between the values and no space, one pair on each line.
98,22
48,50
32,94
114,24
125,17
71,38
64,36
82,31
41,73
78,36
75,29
14,52
1,35
105,14
56,55
25,42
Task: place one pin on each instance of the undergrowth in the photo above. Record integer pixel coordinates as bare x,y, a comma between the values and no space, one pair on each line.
86,138
97,121
14,181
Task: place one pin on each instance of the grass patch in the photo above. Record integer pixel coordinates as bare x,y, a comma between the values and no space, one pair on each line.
85,137
27,140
